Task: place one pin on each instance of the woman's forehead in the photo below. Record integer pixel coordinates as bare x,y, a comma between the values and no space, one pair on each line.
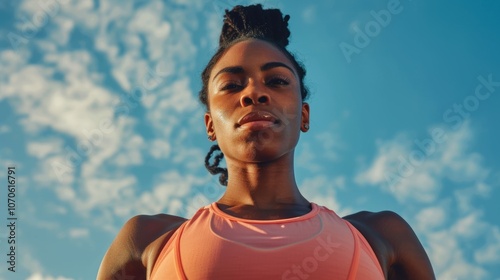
251,52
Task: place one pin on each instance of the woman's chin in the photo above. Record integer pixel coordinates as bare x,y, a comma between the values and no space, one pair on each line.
263,155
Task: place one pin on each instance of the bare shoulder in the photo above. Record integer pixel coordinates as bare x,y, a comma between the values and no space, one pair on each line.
136,245
396,245
384,222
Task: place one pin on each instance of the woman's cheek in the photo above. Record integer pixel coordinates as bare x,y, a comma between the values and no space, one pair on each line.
222,119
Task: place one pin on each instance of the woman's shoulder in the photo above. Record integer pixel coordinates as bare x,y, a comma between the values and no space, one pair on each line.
137,244
396,245
384,221
144,230
142,226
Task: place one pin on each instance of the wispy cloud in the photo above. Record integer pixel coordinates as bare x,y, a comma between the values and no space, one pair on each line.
489,253
330,145
68,87
448,258
323,190
453,221
431,218
309,14
40,276
4,129
34,268
79,233
403,168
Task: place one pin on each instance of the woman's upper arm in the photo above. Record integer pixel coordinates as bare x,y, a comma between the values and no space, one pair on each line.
398,249
122,257
129,253
410,261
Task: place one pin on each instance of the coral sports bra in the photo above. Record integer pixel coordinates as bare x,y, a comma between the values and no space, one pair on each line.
317,245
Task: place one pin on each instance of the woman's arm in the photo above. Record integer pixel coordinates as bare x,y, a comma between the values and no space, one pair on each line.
398,249
410,261
130,256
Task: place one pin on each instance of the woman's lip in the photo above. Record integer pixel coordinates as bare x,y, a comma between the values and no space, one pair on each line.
258,117
257,125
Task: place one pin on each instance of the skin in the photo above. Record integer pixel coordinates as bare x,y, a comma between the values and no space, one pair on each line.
259,159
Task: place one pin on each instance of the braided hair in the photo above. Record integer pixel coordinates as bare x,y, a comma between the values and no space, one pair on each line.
243,23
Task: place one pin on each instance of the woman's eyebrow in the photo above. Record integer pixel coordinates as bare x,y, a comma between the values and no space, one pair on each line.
275,64
230,69
239,69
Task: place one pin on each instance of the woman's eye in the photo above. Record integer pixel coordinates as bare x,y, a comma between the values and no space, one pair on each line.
230,86
278,81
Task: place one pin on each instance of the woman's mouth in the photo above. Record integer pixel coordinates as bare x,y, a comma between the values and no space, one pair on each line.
258,120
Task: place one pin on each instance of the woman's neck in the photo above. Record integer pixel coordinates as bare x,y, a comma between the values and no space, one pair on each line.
263,186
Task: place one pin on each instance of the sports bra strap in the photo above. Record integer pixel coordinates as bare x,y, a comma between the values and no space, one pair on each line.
178,262
355,258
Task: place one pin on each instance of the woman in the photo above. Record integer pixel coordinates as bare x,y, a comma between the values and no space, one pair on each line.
262,227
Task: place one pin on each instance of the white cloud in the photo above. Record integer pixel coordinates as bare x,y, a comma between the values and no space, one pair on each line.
40,276
153,26
11,62
106,145
461,247
423,168
306,159
148,21
41,149
78,233
448,260
64,92
103,191
430,218
490,252
391,172
37,271
173,104
169,191
184,157
322,190
56,209
64,26
132,151
52,168
4,129
71,107
354,26
330,144
388,152
416,172
465,196
32,264
213,24
469,226
159,149
176,98
309,14
82,11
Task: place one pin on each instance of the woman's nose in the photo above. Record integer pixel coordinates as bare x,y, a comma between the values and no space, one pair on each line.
254,95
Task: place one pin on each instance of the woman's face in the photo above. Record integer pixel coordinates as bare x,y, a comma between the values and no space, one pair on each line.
255,108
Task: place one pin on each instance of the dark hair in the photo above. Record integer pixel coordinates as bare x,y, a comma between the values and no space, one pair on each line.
242,23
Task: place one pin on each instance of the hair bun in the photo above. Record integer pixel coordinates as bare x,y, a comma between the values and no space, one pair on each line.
254,22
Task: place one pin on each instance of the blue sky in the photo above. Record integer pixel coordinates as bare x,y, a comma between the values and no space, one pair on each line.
98,112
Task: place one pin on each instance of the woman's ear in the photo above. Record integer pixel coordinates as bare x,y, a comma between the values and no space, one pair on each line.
304,126
209,126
